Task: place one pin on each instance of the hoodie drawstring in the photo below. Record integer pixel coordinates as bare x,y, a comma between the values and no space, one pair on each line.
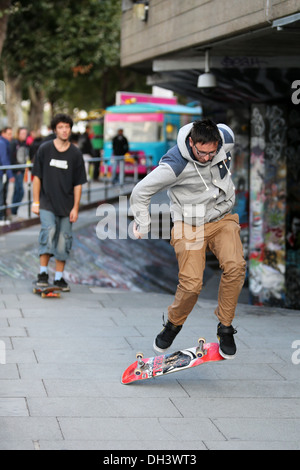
207,188
203,181
229,172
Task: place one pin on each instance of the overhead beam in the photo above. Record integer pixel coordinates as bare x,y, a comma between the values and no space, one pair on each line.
287,20
225,62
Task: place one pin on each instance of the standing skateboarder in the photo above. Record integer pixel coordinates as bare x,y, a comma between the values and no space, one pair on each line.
202,195
59,174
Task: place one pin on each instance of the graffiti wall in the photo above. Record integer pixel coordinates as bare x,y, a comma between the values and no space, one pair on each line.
292,275
256,215
268,171
238,119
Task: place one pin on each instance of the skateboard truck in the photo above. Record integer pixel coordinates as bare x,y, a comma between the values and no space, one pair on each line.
200,352
140,363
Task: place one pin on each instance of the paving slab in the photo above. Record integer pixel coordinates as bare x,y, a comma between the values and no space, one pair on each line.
60,384
19,428
13,407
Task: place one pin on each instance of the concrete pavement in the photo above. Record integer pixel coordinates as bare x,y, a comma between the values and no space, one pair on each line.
61,362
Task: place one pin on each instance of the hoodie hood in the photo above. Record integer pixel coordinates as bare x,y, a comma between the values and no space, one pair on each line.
227,137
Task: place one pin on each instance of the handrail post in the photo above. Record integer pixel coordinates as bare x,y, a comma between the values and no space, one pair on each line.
4,186
29,191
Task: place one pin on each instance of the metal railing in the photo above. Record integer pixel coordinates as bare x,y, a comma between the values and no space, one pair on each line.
103,184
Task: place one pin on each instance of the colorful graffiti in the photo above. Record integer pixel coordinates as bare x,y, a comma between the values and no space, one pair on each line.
292,275
238,120
267,205
257,172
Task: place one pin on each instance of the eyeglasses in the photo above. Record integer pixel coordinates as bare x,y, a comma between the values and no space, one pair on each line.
203,154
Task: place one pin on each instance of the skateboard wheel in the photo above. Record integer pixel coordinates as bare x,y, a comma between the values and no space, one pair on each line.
43,295
199,351
34,290
137,372
58,295
139,355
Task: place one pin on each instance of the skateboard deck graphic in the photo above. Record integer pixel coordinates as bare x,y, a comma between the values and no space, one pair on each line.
49,291
156,366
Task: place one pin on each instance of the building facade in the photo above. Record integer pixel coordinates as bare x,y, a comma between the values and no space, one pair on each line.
251,48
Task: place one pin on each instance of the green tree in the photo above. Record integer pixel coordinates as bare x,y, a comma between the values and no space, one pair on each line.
4,11
62,50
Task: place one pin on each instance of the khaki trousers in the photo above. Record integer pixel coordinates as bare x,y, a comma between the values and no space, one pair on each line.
190,245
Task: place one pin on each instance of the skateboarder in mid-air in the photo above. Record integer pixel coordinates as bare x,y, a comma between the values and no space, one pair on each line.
59,174
197,173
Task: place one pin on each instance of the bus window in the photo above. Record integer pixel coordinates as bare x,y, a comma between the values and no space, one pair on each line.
146,131
159,133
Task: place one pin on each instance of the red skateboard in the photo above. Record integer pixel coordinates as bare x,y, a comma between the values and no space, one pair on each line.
143,369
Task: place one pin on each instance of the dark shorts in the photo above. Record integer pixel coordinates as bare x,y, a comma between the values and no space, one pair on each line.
55,236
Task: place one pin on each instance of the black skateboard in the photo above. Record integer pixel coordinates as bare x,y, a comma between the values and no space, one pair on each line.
49,291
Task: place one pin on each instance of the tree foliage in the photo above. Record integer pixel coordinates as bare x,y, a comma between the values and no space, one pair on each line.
62,47
62,37
4,10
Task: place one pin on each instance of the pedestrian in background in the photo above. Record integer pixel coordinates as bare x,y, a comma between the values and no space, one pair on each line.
33,148
86,148
19,156
120,147
5,139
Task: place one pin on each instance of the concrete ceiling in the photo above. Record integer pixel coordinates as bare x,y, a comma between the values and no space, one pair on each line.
257,66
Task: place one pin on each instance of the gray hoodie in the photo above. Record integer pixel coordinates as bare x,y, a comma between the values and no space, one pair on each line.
199,193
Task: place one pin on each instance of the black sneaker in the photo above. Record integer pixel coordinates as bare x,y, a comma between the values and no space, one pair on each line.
62,284
227,347
42,280
166,337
